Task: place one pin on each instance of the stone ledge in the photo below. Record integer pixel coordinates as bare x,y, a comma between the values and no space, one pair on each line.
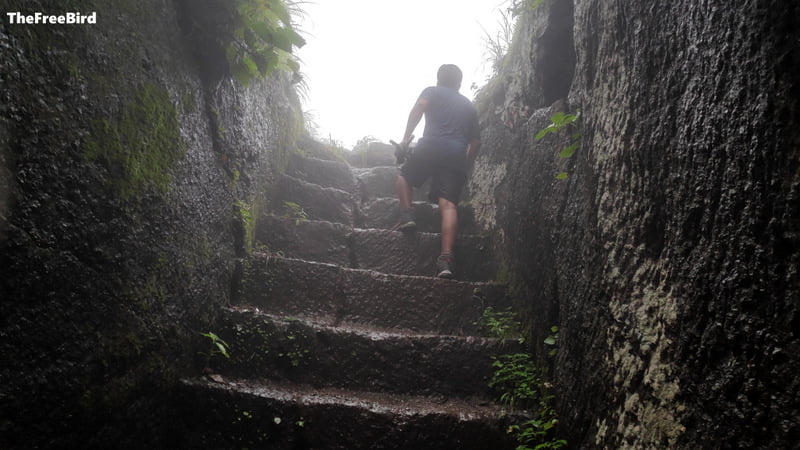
308,289
373,249
284,416
357,357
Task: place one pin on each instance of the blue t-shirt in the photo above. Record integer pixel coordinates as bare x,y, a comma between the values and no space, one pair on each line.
451,121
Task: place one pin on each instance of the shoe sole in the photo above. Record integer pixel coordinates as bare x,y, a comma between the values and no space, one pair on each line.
408,227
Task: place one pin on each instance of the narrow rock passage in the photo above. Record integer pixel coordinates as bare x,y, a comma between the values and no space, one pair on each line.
342,338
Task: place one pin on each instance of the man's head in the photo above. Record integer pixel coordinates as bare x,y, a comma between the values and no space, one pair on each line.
449,75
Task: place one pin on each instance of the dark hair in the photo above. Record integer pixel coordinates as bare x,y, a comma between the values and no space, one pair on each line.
449,75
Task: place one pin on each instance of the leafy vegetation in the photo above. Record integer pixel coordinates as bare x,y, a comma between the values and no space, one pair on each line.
244,38
563,121
216,347
552,340
246,215
497,45
518,6
521,385
502,324
263,38
244,211
534,432
294,211
516,377
280,346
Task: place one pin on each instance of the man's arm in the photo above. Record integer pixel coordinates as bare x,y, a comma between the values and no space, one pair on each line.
413,120
472,149
474,135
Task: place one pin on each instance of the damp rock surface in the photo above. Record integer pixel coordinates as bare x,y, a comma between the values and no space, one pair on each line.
668,256
123,177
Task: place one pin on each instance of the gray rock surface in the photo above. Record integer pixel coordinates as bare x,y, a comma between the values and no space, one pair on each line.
669,256
124,172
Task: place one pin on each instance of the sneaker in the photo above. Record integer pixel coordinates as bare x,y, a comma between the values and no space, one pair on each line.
443,266
406,223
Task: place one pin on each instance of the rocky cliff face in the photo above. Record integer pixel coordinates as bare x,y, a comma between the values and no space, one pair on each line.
668,257
130,175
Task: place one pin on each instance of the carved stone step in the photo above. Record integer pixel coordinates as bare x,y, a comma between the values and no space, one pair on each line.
374,249
325,173
310,240
382,213
247,414
341,296
300,351
317,202
376,182
415,254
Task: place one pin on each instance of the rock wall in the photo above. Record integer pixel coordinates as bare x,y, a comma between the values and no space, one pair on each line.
130,177
668,257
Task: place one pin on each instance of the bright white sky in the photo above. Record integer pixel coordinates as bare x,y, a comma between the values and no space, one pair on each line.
367,61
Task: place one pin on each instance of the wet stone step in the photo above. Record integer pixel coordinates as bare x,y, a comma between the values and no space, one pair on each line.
377,182
382,213
374,249
247,414
325,173
310,240
291,349
317,202
415,254
342,296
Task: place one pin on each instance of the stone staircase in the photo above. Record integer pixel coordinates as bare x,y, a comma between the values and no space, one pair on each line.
342,339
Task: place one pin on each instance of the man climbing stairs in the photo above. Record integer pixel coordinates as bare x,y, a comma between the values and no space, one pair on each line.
341,337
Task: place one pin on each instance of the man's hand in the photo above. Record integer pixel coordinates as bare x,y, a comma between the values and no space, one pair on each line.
413,119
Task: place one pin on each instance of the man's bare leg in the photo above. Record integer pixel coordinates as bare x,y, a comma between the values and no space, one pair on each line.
449,213
406,223
403,192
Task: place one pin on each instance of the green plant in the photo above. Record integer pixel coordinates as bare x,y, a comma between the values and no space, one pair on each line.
502,324
535,432
263,38
295,211
244,211
217,347
497,45
536,3
552,340
294,350
516,378
517,7
246,215
521,385
559,121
